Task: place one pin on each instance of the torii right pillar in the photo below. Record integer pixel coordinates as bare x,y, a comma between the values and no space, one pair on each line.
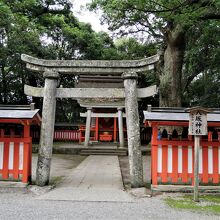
133,129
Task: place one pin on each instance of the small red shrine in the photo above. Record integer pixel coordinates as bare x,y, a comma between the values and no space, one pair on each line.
172,149
104,126
105,118
16,142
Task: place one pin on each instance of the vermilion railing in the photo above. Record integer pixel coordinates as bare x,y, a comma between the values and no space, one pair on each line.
173,161
78,135
15,158
67,135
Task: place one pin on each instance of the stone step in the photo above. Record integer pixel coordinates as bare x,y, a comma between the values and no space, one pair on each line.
105,149
121,152
104,153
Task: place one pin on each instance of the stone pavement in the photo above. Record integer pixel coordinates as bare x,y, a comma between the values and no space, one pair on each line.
97,178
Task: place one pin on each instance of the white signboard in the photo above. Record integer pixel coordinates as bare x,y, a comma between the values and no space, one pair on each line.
197,123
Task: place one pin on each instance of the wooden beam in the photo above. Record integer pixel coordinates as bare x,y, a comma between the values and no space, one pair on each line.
5,120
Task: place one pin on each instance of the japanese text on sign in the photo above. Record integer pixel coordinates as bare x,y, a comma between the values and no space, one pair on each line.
197,123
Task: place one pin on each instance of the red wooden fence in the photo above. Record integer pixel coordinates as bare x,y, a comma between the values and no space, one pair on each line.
15,158
78,135
61,135
66,135
172,161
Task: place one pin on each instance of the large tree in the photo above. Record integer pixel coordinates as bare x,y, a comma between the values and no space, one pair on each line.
170,23
21,32
49,30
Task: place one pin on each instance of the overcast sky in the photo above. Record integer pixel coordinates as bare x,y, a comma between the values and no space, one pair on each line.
85,15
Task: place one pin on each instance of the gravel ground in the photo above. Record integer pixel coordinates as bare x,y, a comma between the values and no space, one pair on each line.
22,205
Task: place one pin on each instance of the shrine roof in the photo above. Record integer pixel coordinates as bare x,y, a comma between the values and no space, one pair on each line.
176,114
18,112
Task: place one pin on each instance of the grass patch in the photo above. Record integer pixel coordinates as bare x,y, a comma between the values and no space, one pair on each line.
208,203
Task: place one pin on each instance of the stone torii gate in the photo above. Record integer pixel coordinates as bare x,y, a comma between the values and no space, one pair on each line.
128,69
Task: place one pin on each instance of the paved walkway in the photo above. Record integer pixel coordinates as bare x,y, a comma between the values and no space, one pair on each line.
97,178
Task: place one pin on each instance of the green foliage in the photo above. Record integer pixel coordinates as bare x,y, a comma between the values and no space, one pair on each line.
202,49
202,67
130,48
49,30
205,90
152,17
187,27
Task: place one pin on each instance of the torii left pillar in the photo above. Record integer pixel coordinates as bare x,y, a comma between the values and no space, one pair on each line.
47,128
133,129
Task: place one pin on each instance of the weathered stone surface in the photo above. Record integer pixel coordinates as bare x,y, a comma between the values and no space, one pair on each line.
89,63
36,190
33,91
52,69
43,169
102,115
47,131
133,129
147,91
99,81
98,94
103,67
50,74
140,192
101,103
120,127
88,125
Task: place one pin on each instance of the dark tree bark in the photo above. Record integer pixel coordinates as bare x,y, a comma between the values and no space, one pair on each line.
171,75
4,85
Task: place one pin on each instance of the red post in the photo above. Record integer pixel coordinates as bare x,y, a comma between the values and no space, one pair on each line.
97,129
215,165
5,161
164,163
27,158
30,161
115,129
175,163
16,161
185,164
205,177
154,159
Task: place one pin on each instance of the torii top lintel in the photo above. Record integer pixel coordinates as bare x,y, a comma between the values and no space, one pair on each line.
104,67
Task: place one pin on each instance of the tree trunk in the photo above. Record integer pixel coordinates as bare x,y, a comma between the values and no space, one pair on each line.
4,86
171,76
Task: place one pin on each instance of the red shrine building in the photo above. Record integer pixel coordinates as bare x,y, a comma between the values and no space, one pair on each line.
105,118
16,141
